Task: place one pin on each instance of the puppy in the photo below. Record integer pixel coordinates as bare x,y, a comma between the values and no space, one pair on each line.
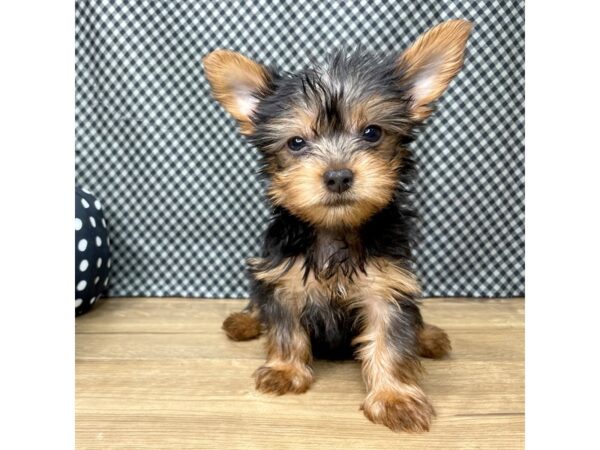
335,275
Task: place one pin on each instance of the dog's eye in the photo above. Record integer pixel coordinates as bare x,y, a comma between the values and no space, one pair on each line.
296,143
372,133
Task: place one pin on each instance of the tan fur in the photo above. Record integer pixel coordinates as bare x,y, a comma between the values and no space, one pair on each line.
297,183
440,52
374,110
287,278
394,397
381,279
385,280
270,275
296,348
300,189
301,121
404,408
360,115
297,122
287,368
229,72
281,377
381,367
242,326
433,342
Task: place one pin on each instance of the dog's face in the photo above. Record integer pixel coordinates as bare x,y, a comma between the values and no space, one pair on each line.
333,136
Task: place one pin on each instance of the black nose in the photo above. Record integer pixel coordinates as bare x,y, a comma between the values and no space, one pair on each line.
338,180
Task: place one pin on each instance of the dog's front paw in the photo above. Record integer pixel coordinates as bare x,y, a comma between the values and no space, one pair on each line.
405,410
282,378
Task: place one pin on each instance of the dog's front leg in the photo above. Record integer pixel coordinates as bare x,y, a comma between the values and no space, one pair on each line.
287,368
390,365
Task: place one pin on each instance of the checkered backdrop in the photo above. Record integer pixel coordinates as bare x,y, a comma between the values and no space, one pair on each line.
179,185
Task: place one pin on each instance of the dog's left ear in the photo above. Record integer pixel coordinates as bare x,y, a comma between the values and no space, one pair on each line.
238,83
428,66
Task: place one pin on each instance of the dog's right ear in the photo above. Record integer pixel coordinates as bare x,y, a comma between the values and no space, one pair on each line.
238,83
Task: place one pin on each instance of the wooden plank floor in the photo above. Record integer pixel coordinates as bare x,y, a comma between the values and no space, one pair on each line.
160,373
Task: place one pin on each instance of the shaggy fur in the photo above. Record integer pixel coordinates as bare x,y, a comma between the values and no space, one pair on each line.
335,275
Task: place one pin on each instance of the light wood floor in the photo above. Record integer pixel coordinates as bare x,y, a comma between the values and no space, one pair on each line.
160,373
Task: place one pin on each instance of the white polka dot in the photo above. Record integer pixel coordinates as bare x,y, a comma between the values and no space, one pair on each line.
85,203
103,222
81,285
108,263
107,240
97,204
83,265
93,300
78,302
98,241
93,222
86,191
96,280
106,281
82,245
78,223
99,263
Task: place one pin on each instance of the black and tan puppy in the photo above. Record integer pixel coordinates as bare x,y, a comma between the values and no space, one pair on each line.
335,274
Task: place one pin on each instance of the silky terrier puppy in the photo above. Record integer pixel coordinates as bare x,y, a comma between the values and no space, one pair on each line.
335,275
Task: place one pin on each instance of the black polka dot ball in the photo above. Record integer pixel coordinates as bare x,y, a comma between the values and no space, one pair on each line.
92,253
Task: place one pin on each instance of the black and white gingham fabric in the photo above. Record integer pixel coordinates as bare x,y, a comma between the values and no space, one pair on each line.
179,184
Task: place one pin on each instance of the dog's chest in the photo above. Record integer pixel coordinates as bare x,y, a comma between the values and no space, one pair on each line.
335,254
335,262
